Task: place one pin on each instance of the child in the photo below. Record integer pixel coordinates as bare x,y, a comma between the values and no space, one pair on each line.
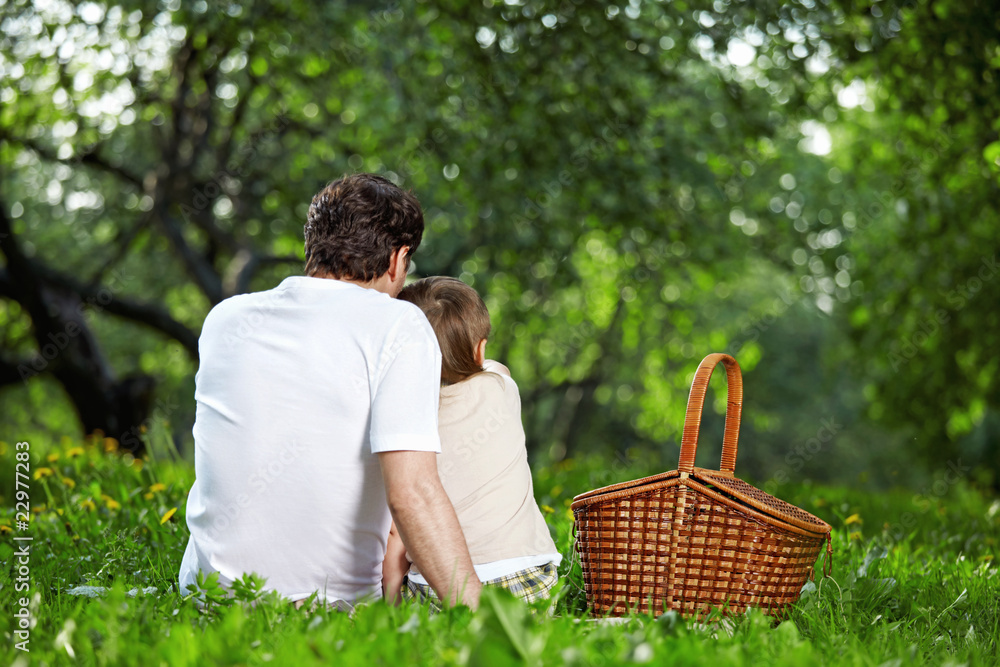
483,462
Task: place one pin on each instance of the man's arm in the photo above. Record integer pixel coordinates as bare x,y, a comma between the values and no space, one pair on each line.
426,520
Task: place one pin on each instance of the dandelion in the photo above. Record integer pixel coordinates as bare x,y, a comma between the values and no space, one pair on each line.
43,472
854,518
5,529
68,483
153,490
52,458
110,445
110,502
169,513
88,505
547,509
73,452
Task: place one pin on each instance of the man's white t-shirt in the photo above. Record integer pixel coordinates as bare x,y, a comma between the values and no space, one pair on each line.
298,389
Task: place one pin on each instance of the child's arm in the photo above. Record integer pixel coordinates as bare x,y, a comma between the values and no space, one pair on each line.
394,567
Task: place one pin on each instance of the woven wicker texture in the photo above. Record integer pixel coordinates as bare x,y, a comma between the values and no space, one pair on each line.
693,539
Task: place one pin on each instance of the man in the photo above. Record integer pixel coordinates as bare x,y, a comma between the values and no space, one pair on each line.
316,417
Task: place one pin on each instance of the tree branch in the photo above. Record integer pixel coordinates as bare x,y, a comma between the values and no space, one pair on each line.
103,297
89,157
244,267
10,369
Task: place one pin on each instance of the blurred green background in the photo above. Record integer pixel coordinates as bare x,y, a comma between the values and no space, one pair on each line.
810,186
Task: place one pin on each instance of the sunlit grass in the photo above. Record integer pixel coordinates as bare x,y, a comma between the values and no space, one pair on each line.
928,592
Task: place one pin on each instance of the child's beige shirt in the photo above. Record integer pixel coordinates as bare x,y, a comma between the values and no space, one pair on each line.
484,469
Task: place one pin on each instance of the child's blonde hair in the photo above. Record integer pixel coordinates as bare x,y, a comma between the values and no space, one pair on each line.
459,319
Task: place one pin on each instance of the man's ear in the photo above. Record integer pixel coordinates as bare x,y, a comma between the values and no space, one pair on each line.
397,262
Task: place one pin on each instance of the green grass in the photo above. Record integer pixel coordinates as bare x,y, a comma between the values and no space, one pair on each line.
915,581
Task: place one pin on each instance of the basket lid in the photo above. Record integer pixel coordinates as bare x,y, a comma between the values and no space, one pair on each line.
721,481
762,501
592,496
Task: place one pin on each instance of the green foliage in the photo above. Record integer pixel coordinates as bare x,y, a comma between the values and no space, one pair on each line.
917,213
925,593
623,191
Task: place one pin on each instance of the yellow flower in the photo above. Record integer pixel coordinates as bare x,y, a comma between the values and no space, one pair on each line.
5,529
155,488
43,472
73,452
137,464
148,496
110,502
88,505
110,445
854,518
52,458
547,509
855,535
166,517
68,483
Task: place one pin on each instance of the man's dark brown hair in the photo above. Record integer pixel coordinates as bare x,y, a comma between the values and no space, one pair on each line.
356,223
459,318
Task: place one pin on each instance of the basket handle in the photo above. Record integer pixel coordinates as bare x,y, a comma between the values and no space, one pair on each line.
696,401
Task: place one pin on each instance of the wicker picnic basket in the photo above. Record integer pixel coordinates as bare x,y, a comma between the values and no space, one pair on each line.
694,539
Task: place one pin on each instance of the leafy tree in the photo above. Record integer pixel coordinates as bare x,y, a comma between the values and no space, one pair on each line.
626,185
919,218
